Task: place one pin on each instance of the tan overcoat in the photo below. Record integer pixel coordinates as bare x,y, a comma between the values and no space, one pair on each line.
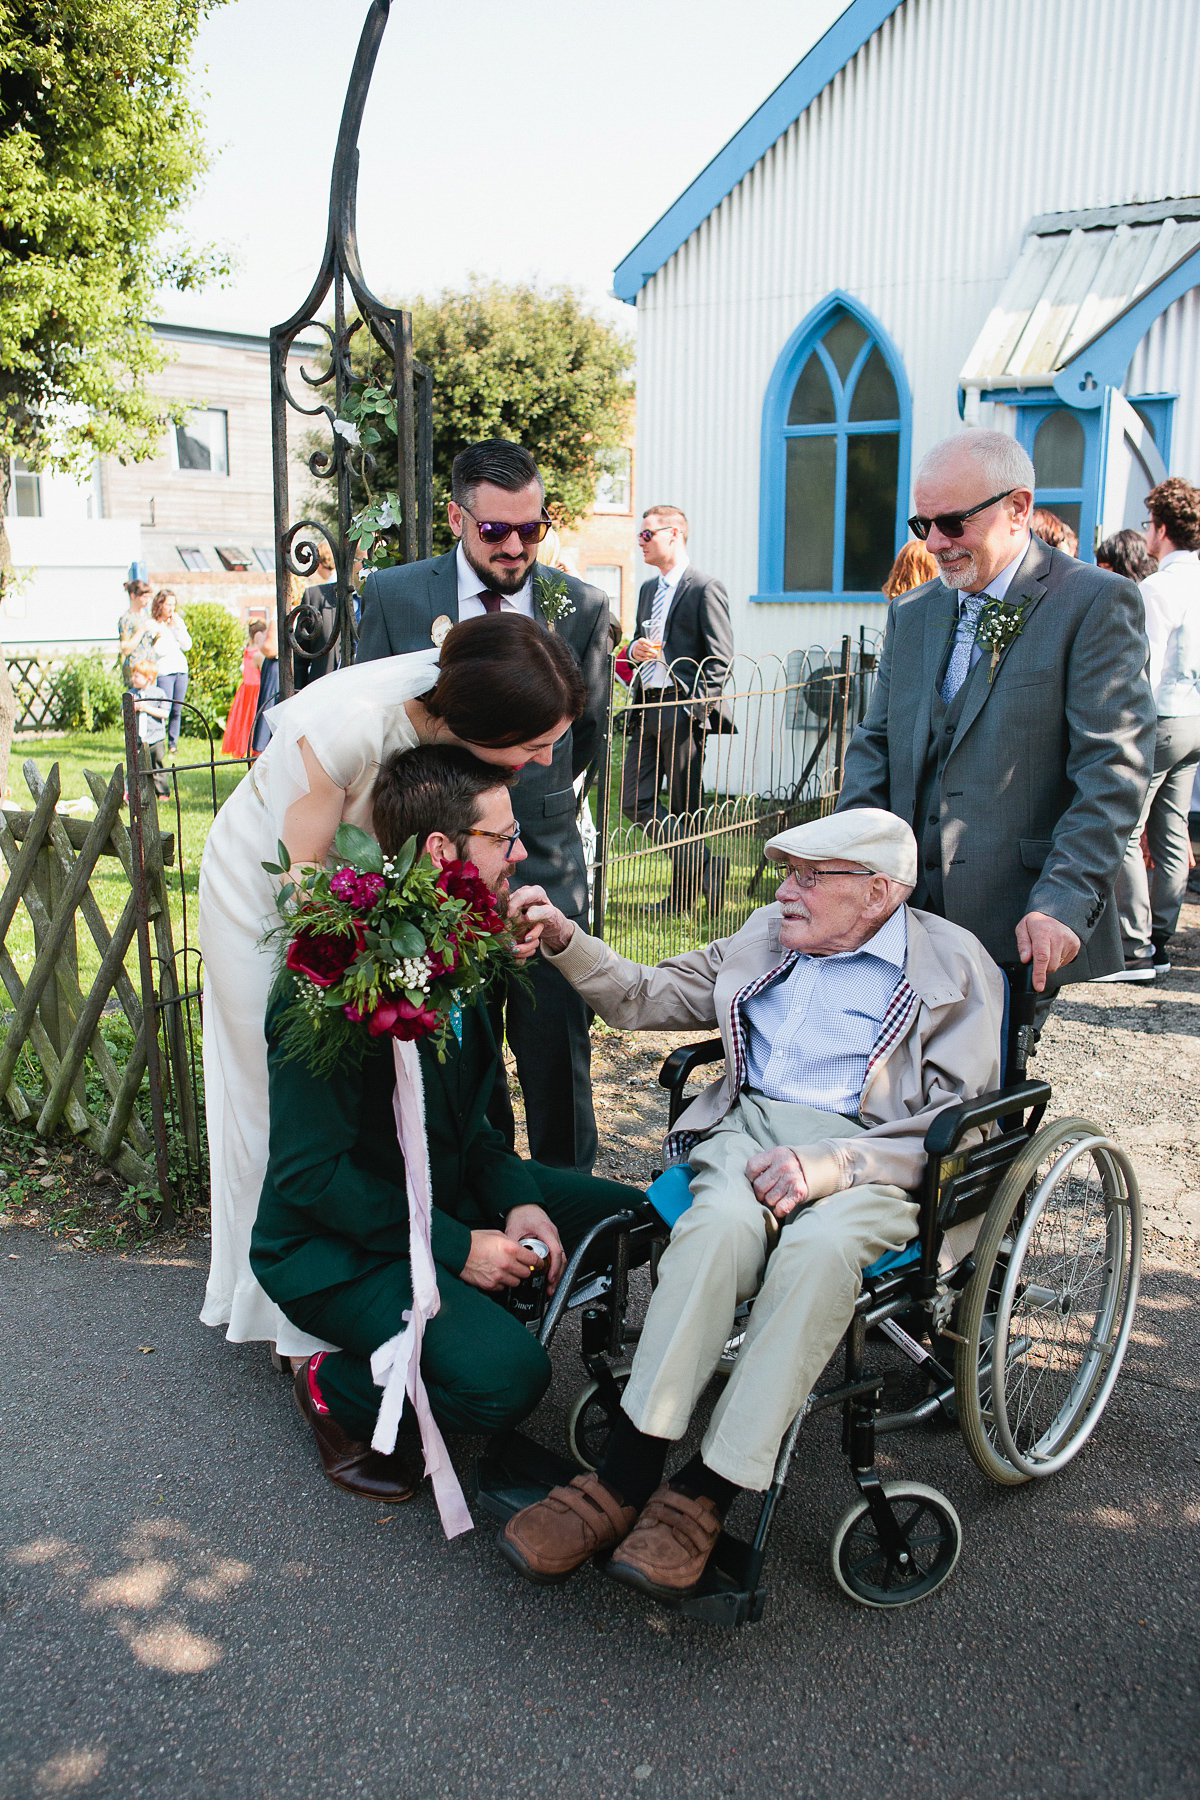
939,1044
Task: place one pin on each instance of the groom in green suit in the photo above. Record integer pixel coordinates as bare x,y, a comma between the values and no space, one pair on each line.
330,1243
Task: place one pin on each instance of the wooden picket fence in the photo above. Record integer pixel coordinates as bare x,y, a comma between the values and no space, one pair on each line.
51,860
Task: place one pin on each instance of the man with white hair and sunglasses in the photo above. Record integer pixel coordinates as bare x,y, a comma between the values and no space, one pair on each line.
1011,721
849,1021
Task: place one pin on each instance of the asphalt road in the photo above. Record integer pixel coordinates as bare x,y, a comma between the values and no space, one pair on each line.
189,1609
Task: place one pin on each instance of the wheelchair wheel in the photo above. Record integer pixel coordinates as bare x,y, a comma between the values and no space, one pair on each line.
1045,1319
861,1566
590,1422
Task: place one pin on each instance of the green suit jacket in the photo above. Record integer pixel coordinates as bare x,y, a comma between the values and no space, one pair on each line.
334,1203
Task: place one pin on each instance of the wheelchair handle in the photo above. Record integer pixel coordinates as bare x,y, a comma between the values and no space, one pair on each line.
952,1125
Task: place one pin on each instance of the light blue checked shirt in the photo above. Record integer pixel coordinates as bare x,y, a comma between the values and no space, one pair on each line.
809,1036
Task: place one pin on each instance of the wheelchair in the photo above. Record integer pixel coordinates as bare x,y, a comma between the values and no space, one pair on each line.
1014,1302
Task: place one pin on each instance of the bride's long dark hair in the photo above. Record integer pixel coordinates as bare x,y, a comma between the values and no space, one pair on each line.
503,680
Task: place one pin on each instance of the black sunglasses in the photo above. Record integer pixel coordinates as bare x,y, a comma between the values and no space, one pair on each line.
951,524
494,531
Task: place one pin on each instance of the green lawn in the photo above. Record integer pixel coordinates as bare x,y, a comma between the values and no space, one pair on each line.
188,817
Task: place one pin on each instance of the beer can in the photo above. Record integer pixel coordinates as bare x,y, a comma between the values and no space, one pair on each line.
528,1301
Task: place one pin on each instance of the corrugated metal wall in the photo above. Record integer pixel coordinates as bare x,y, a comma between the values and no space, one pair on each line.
909,182
1167,361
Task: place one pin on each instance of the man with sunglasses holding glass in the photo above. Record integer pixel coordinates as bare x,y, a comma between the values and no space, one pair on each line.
849,1021
498,515
1011,721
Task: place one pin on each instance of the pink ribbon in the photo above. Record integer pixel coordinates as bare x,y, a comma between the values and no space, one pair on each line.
396,1365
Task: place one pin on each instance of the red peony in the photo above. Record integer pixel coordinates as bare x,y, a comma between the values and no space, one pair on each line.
442,962
399,1018
323,957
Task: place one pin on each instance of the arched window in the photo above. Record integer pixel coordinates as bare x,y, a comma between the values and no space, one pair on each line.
835,458
1058,455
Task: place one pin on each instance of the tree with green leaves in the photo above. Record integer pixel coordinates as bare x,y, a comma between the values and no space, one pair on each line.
100,147
534,365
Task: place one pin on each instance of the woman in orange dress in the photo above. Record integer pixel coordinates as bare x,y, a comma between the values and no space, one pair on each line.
240,722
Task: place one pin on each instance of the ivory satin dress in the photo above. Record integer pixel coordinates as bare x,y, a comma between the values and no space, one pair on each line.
351,720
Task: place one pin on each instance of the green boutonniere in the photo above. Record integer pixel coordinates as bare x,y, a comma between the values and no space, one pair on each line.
553,596
1001,623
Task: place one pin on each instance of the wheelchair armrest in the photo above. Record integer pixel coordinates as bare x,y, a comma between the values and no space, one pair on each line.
951,1126
679,1065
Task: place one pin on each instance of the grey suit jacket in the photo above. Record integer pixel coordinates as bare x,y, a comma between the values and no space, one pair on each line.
1050,761
399,607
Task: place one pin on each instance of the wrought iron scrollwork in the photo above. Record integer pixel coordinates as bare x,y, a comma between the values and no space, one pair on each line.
308,633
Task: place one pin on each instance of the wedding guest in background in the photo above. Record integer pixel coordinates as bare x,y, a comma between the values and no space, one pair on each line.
681,649
1054,531
1149,900
268,687
151,705
240,723
1125,553
1011,722
135,626
172,640
912,569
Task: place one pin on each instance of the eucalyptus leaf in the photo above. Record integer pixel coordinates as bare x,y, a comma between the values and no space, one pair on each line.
286,891
285,861
404,858
272,868
359,849
407,940
414,996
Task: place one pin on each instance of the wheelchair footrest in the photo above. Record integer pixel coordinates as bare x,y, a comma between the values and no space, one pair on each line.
724,1595
514,1472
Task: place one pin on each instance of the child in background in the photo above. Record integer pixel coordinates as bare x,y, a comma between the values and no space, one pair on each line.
152,707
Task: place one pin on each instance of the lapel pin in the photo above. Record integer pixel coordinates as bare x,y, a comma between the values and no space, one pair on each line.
440,630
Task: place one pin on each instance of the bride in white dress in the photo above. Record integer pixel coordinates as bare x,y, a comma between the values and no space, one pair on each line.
503,687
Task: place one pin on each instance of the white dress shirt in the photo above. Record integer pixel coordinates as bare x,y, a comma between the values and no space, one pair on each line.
654,674
470,606
1171,597
809,1036
995,589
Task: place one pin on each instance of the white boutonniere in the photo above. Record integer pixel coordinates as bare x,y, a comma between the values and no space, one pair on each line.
440,630
1001,623
553,597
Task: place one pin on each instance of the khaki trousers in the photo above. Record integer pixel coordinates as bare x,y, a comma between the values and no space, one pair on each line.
805,1298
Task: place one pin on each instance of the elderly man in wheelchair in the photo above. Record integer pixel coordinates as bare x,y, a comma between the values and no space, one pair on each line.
849,1021
875,1087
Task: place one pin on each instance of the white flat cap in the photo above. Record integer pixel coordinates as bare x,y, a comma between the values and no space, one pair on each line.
863,834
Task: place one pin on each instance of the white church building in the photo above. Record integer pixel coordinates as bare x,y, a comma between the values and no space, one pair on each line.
951,210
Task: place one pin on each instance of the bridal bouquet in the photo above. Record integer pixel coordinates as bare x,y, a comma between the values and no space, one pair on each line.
381,947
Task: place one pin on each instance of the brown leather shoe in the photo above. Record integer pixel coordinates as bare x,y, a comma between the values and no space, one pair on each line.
350,1465
548,1541
668,1549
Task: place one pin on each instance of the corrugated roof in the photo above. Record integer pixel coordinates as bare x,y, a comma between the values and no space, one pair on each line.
1076,274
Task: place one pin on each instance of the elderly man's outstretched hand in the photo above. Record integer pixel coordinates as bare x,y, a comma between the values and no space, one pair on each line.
778,1180
533,915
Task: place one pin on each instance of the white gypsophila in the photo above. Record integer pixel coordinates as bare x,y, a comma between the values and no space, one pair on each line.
414,973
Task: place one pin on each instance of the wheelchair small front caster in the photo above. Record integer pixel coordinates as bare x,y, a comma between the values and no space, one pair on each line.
592,1417
933,1537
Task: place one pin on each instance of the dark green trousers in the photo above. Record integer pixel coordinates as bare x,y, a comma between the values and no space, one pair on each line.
483,1371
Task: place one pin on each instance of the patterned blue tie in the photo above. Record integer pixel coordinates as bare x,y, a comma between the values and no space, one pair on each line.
959,666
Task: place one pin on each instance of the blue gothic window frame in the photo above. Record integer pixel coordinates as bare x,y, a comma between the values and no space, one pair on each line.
777,434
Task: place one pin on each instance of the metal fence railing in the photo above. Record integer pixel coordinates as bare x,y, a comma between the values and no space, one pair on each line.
693,788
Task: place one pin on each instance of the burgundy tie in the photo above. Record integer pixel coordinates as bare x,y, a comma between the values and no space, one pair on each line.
491,601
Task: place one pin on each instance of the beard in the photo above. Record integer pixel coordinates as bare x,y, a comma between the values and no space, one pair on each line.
963,573
503,578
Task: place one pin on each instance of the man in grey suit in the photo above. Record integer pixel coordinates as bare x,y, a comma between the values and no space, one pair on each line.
496,485
681,647
1011,721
